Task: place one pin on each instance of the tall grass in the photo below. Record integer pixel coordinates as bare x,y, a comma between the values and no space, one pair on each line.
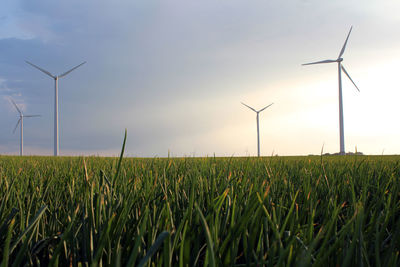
200,212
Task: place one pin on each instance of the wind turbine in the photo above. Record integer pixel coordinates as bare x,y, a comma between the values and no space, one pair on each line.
55,77
21,120
340,68
258,125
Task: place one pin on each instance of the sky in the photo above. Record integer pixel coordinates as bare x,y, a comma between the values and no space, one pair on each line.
173,73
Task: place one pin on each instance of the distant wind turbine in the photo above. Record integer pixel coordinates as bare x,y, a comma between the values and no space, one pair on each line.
340,68
258,125
21,120
55,77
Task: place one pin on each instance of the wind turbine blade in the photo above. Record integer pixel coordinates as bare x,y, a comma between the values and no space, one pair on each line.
17,125
65,73
344,46
15,105
249,107
31,116
320,62
344,70
266,107
42,70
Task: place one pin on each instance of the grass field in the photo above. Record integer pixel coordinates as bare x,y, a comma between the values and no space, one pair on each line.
274,211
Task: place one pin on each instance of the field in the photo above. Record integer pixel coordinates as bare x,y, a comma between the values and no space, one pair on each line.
273,211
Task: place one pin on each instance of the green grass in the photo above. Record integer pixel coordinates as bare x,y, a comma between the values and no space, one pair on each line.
274,211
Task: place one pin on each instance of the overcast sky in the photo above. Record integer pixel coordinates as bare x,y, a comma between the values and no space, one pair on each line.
173,73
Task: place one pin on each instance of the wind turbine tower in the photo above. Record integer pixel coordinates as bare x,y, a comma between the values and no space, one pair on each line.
258,124
55,77
21,120
340,68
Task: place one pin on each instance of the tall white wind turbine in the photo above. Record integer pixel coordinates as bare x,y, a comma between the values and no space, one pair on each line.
55,77
258,125
21,121
340,68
